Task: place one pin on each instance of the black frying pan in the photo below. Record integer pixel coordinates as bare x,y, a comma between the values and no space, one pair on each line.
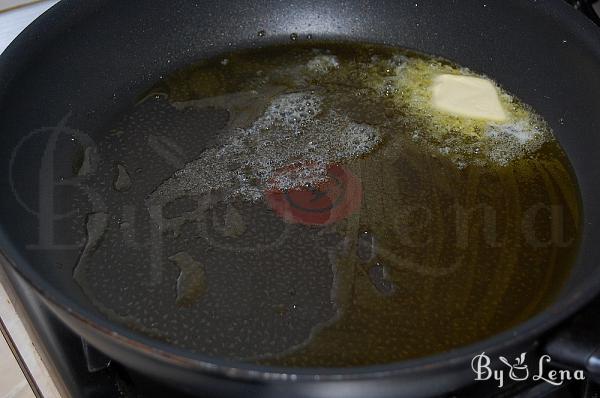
87,61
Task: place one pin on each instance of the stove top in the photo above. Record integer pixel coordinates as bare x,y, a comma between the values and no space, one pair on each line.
81,371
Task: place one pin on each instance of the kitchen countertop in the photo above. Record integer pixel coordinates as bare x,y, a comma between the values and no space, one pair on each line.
16,342
13,383
13,21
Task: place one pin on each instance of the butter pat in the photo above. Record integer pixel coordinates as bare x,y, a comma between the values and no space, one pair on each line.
467,96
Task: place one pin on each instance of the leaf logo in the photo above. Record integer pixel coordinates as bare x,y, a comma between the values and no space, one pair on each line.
519,371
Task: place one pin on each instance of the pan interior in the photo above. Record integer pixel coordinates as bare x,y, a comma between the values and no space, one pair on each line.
285,206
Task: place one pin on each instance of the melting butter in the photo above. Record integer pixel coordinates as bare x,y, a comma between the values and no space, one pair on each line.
467,96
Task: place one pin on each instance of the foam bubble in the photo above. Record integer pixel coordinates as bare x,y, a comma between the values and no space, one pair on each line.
289,146
323,63
510,141
520,131
463,140
291,109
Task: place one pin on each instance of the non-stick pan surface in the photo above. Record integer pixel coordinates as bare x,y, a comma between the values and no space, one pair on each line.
83,63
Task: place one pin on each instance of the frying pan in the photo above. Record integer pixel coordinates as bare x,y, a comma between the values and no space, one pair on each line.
87,61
